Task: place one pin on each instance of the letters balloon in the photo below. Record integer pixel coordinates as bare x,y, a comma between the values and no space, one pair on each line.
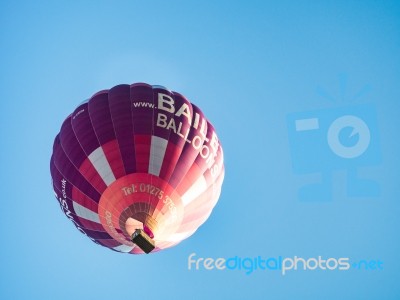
137,165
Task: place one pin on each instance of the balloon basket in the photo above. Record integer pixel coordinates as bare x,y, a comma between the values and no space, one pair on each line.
143,241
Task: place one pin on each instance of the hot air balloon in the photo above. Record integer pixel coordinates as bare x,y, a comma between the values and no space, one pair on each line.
137,168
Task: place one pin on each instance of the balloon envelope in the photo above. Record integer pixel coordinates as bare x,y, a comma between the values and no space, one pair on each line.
137,157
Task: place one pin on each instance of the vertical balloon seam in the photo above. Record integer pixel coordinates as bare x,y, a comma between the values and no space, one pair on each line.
87,108
155,102
77,111
169,130
95,133
197,152
115,132
147,206
182,150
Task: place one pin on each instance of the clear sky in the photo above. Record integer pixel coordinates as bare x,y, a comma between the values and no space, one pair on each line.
299,93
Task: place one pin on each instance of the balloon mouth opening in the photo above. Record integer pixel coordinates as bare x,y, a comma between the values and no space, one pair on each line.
132,224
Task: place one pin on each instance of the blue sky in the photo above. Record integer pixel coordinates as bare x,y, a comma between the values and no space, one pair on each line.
254,67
